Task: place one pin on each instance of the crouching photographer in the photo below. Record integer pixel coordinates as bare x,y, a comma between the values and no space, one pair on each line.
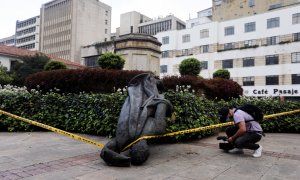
246,131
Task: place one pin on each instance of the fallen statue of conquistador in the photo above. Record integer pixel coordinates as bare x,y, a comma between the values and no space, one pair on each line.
143,114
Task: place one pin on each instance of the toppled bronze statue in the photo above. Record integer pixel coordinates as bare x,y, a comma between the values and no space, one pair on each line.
143,113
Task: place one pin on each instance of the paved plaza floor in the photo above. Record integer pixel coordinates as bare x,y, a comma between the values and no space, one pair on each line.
51,156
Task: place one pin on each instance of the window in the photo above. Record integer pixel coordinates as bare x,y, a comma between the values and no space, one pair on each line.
204,64
273,22
229,30
295,78
272,40
248,81
250,27
185,52
248,62
163,69
272,59
251,3
272,80
228,46
227,63
186,38
91,61
204,48
249,43
106,21
204,33
106,13
165,40
296,36
105,31
296,18
296,57
164,54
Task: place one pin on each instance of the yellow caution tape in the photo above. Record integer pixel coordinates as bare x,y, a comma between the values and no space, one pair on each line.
203,128
74,136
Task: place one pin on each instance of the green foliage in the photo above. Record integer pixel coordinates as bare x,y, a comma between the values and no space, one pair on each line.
87,80
29,65
52,65
190,66
111,61
222,73
98,113
5,77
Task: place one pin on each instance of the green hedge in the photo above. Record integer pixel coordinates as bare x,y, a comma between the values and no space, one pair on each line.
98,113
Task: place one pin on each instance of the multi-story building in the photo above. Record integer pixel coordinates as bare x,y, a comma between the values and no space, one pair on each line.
66,25
8,41
27,33
135,22
261,51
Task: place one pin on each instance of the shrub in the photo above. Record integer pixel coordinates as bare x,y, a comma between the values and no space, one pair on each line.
5,77
190,66
98,113
28,66
219,88
111,61
222,73
174,82
79,80
52,65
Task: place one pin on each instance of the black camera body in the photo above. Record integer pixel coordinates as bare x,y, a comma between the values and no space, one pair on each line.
225,145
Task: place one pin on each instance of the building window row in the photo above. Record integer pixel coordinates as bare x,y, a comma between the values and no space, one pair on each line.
270,80
57,25
271,23
26,39
26,31
152,29
26,23
28,46
204,33
269,60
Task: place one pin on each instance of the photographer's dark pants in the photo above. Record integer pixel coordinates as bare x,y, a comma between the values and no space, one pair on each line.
246,141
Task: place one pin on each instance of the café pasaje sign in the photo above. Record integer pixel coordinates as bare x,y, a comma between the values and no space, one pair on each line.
272,90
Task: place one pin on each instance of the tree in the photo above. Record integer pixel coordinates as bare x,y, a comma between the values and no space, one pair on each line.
5,77
222,73
111,61
27,66
190,66
52,65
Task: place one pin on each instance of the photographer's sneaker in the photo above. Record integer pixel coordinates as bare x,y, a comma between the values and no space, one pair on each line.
257,152
236,151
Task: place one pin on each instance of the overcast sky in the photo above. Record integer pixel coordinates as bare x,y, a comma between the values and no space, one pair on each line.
13,10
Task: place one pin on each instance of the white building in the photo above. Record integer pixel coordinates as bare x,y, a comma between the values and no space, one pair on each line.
8,41
261,51
67,25
135,22
27,33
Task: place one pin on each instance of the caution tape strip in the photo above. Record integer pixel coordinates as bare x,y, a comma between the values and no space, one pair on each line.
74,136
204,128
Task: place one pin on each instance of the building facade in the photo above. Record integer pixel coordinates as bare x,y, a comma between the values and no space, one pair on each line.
135,22
261,51
66,25
140,51
8,41
27,33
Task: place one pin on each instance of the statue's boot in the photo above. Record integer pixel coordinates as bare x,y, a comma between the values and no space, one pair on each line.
113,158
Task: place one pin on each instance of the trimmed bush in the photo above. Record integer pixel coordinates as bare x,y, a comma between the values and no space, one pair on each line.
190,66
53,65
219,88
80,80
222,73
111,61
98,113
